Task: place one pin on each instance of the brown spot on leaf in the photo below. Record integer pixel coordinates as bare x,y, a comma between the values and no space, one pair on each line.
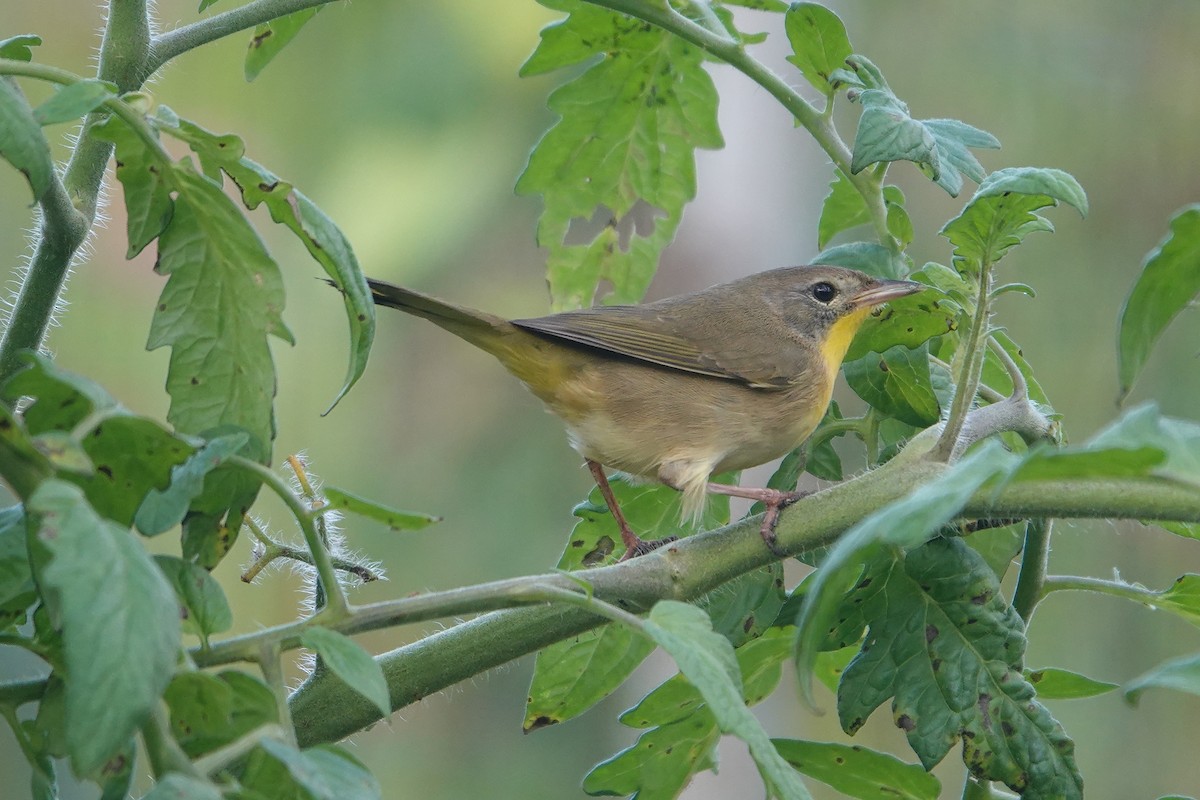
258,40
905,723
539,723
981,598
931,633
106,469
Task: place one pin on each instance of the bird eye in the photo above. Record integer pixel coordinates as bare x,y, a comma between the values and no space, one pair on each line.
824,292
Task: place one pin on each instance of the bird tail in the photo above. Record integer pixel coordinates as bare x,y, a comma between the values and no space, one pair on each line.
477,327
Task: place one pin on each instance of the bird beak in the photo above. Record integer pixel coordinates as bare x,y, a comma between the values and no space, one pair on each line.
884,291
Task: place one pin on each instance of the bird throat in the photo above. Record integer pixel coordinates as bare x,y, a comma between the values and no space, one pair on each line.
841,333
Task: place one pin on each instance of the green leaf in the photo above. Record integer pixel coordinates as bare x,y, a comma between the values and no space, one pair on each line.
573,675
164,509
1182,598
1181,674
325,772
1052,683
17,590
177,786
119,622
351,663
903,524
953,139
19,47
869,257
1142,427
22,143
819,43
73,101
661,763
909,322
708,661
211,711
626,135
327,244
1001,214
394,519
947,647
897,383
143,177
899,224
844,208
203,607
1169,281
117,775
125,456
858,772
886,132
270,38
743,608
998,546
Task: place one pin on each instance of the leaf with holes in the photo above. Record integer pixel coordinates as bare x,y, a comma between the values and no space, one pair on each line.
947,648
624,143
819,43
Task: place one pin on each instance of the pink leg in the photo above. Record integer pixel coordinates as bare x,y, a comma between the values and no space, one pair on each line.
773,499
634,545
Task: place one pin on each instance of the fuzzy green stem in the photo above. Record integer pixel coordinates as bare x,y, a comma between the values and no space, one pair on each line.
948,445
337,606
1034,562
268,663
167,46
162,750
1126,591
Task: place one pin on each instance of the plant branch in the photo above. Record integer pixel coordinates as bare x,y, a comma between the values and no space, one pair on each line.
268,662
948,445
336,606
325,710
171,44
1126,591
162,750
1034,561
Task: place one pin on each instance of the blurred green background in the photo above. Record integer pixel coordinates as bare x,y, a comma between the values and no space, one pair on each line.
407,124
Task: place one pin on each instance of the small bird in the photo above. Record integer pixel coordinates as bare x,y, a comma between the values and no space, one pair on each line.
673,391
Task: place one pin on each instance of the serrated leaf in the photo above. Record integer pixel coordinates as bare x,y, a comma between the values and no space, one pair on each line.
1052,683
1168,283
19,47
573,675
177,786
324,772
709,663
897,383
940,147
843,208
22,143
1001,214
741,609
203,607
118,618
211,711
627,132
327,244
126,456
886,132
143,177
661,763
163,509
1181,674
819,43
218,270
858,772
353,665
17,590
905,523
393,518
947,647
869,257
270,38
909,322
73,101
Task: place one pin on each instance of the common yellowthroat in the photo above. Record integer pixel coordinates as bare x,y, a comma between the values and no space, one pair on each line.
722,379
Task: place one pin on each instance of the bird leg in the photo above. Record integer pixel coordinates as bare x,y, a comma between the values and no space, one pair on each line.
775,501
634,545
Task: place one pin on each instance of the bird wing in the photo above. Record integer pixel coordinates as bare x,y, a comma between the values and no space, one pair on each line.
665,339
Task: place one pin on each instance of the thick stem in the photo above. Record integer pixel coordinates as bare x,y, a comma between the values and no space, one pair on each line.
1035,559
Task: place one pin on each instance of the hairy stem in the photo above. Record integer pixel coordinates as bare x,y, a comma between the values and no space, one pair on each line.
967,383
336,606
1034,561
167,46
